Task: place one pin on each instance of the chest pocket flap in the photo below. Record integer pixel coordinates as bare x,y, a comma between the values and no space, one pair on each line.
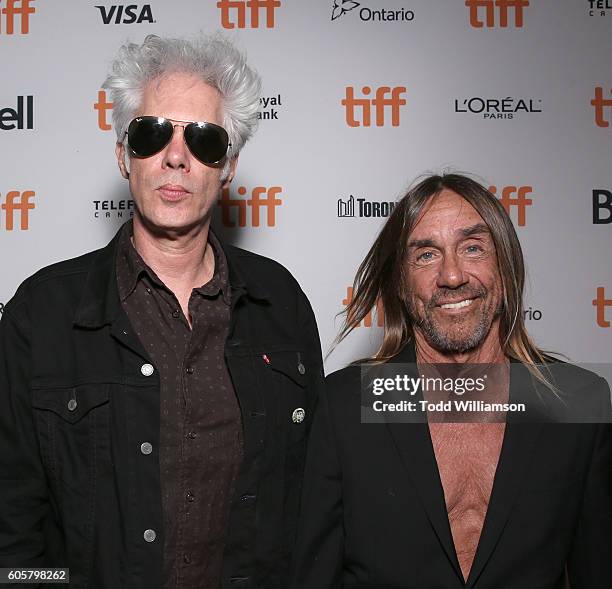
73,403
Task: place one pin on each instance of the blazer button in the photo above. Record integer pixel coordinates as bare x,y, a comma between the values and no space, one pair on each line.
147,369
149,535
146,448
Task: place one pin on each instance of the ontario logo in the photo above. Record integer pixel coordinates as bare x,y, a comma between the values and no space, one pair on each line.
498,108
366,14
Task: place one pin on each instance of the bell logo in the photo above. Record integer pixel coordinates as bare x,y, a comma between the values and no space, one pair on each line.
270,202
520,201
126,15
20,202
489,6
20,118
599,103
102,106
367,320
600,303
13,8
385,97
240,7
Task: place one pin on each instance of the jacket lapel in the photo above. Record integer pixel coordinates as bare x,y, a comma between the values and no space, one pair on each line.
515,457
414,445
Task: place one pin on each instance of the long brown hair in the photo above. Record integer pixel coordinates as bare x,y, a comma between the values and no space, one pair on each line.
382,274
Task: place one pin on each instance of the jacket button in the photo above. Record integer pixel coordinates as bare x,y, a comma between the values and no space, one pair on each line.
149,535
147,369
298,415
301,368
146,448
72,405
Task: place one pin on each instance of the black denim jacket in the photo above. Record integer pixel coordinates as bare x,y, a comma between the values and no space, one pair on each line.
77,402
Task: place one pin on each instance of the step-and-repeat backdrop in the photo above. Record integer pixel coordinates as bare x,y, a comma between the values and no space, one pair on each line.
360,97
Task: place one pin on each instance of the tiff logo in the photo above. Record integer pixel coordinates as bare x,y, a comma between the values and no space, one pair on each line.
367,320
255,203
386,98
17,202
600,303
521,202
13,8
599,102
102,106
601,205
240,8
502,6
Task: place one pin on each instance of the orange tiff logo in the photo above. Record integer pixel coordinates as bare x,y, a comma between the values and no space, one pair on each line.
239,10
600,303
103,106
17,202
520,201
503,7
386,98
12,9
367,320
240,205
599,103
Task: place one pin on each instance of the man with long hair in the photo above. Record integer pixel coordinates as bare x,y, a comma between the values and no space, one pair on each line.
156,394
448,501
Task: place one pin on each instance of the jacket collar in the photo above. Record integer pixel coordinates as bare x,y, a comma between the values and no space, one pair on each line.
100,304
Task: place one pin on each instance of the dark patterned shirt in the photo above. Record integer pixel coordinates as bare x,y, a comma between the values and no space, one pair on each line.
200,423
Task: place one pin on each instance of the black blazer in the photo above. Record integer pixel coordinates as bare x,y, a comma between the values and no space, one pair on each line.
374,515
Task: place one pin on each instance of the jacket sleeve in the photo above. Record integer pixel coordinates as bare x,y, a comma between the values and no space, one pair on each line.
23,489
320,544
590,560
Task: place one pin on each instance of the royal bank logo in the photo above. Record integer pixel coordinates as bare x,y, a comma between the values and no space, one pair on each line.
601,303
9,23
360,207
20,117
119,14
103,106
496,13
270,107
15,209
114,209
599,7
251,14
602,207
602,106
498,108
385,104
515,197
376,317
259,206
366,14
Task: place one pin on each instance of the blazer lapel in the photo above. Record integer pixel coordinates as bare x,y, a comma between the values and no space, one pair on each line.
515,457
413,443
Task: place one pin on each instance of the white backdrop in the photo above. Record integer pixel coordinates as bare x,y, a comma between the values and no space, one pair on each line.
550,139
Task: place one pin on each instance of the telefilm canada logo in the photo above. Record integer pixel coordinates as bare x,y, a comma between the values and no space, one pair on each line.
122,209
125,14
507,108
352,207
599,7
366,14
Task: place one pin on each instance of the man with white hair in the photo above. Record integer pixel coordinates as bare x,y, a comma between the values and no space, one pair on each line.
156,395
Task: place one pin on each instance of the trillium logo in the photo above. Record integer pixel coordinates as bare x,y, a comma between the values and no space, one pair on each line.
341,7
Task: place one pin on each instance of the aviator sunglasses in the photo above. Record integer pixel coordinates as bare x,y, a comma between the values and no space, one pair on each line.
148,135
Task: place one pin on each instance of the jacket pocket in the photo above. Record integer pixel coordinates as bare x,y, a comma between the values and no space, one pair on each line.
73,427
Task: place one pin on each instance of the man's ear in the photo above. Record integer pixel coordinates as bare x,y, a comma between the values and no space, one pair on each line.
232,172
121,155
